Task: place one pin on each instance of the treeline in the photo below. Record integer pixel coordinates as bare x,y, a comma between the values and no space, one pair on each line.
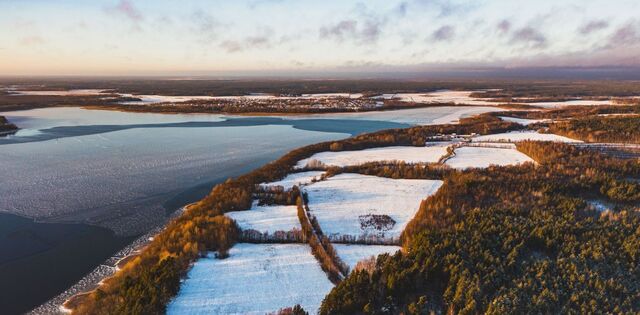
257,237
6,126
321,246
505,88
203,228
569,112
549,90
620,129
514,240
272,107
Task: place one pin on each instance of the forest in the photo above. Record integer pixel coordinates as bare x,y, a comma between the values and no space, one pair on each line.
619,129
512,240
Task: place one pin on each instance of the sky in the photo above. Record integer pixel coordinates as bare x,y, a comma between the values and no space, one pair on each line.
156,37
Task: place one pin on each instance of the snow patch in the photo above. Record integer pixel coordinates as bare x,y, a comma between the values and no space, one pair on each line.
517,136
293,179
351,254
429,154
255,279
523,121
481,157
267,218
339,201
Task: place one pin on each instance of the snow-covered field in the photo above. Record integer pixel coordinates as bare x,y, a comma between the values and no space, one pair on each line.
442,96
340,202
330,95
522,136
480,157
267,218
255,279
430,154
351,254
293,179
523,121
571,103
154,99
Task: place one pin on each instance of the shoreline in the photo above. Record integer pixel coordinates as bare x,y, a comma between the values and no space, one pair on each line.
154,109
133,250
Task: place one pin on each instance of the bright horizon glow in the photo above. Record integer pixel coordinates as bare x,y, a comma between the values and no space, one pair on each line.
145,37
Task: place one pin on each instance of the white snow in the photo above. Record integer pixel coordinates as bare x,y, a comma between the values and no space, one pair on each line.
255,279
427,154
598,205
267,218
517,136
153,99
78,92
293,179
332,95
480,157
454,116
572,103
523,121
351,254
441,96
339,201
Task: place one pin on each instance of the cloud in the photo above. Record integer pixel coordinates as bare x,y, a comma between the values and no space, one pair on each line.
205,26
447,7
446,32
250,42
126,9
371,31
401,9
340,30
626,35
504,26
362,32
593,26
33,40
529,36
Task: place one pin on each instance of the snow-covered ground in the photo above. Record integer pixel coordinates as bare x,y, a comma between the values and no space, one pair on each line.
522,136
523,121
293,179
572,103
330,95
442,96
58,93
351,254
255,279
340,203
480,157
430,154
267,218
